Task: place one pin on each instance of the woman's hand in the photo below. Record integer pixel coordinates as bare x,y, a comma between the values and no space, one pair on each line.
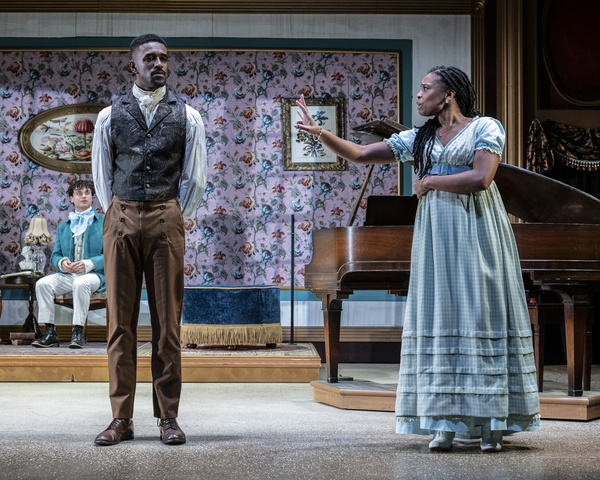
420,188
306,123
377,152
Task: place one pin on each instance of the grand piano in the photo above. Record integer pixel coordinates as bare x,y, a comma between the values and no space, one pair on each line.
558,243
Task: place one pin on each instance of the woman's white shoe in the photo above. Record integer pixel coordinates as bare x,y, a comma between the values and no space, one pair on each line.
491,440
442,441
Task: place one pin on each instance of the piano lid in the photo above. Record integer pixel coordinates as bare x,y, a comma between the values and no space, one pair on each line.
533,197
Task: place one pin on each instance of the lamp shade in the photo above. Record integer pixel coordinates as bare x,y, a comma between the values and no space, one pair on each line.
38,230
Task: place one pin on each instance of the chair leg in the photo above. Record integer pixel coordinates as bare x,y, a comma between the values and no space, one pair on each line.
85,331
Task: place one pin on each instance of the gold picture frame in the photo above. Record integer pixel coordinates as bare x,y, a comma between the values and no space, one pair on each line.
302,151
61,138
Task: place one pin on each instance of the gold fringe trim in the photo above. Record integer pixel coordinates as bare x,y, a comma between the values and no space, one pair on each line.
231,334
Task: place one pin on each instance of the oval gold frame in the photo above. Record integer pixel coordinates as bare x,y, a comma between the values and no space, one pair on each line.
32,129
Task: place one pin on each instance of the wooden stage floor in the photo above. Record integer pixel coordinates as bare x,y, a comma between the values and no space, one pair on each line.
299,363
554,402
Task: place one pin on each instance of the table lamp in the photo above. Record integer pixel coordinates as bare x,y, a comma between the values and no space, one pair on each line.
36,234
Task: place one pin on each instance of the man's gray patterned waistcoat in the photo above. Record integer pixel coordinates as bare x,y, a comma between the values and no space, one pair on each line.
148,160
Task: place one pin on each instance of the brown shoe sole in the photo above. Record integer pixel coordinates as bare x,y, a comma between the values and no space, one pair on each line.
173,441
113,442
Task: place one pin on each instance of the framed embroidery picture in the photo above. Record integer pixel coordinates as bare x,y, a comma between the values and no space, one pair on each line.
61,138
301,150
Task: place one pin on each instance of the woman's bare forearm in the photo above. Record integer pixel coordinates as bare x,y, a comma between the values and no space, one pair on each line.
378,152
479,178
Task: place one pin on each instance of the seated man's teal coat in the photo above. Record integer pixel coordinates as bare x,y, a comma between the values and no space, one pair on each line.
92,246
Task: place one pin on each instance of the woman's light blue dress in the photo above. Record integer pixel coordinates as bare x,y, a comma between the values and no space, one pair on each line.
467,353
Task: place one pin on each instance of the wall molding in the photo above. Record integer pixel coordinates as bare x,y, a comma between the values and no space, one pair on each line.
509,17
478,55
389,7
347,334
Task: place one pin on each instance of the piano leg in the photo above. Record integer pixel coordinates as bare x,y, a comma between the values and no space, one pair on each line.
538,344
577,310
332,314
587,356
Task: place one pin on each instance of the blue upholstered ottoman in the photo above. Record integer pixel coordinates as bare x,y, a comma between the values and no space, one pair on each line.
231,315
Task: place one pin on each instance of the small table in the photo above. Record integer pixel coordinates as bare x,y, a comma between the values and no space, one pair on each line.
22,282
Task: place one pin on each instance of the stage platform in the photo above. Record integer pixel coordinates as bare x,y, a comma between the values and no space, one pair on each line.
554,402
298,363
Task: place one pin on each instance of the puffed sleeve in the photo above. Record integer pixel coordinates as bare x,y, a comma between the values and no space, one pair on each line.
490,136
402,145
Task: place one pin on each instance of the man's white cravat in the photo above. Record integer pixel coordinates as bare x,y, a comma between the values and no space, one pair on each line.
148,100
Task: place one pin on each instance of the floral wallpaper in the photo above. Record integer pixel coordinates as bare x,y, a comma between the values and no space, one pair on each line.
241,234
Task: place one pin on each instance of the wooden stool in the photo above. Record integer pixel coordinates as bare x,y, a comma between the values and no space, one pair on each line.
97,302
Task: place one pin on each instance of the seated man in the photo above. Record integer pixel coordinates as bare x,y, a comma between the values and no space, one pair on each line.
78,257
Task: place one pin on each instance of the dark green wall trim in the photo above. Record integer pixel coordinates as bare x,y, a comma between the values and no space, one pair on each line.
358,296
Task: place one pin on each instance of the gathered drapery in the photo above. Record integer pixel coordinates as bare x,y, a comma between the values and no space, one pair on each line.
550,143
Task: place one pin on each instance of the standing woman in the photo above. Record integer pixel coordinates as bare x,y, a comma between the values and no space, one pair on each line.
467,365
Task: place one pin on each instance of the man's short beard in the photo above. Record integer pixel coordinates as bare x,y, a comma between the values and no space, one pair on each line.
156,83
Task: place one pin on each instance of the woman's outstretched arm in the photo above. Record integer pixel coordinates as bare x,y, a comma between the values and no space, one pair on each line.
378,152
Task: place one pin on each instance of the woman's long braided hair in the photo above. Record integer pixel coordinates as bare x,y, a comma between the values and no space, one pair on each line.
451,78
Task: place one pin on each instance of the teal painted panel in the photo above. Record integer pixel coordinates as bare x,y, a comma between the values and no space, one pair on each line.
360,296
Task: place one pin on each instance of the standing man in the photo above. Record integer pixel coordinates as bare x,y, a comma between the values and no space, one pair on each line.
149,166
78,257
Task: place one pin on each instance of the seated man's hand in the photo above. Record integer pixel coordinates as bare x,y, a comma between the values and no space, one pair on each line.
65,265
77,267
72,267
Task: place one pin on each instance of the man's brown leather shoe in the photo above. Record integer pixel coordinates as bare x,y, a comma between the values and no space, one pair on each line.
120,429
170,433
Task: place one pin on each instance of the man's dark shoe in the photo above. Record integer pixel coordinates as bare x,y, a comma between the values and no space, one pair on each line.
120,429
77,337
50,338
170,433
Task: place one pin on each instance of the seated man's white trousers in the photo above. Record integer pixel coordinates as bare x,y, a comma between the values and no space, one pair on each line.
56,284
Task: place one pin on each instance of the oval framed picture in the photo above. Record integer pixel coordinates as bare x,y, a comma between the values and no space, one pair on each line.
571,49
61,138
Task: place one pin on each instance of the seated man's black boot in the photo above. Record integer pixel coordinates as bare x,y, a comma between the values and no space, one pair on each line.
50,338
77,337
